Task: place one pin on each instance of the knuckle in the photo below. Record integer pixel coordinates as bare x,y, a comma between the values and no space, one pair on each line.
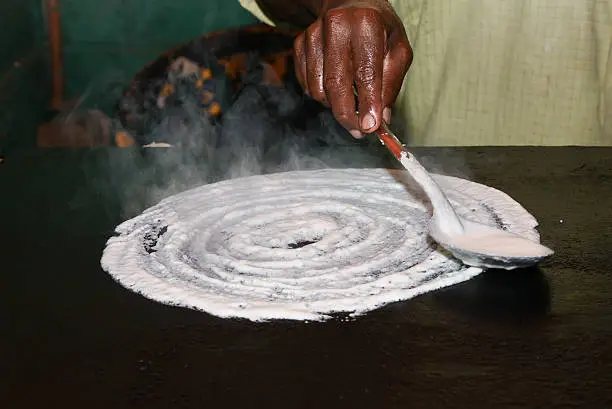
298,43
333,81
314,31
299,57
368,16
337,22
404,53
365,74
336,14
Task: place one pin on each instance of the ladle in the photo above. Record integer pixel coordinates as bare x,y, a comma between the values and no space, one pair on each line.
475,244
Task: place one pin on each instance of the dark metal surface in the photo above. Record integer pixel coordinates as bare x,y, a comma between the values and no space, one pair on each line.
73,338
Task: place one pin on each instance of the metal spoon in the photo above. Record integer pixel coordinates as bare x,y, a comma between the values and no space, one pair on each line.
473,243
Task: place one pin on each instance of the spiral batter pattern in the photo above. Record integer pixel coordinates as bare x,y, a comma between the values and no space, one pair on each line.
299,245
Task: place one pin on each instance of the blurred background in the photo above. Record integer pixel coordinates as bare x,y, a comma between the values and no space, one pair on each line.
92,49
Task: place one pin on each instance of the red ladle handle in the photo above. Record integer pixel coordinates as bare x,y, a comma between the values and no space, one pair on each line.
388,139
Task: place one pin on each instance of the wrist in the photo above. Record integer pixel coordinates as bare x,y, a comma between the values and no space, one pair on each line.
332,4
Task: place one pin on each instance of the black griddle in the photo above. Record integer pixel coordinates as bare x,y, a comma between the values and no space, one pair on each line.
73,338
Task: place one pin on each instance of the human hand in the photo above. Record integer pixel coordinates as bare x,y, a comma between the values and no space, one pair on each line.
359,43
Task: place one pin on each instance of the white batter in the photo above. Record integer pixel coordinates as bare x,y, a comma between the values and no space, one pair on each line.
299,245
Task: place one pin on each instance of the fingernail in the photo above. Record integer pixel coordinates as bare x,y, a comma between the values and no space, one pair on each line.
387,115
356,134
368,122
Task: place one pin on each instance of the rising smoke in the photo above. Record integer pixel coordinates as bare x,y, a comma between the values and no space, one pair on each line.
266,129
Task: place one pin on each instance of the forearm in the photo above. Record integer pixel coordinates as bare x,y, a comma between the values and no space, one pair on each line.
297,13
302,13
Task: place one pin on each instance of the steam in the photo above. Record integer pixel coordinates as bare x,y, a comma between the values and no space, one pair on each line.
266,129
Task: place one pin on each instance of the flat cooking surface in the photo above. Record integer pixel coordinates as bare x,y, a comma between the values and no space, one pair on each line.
72,337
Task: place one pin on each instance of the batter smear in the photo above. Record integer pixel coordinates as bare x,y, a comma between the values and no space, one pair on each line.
299,245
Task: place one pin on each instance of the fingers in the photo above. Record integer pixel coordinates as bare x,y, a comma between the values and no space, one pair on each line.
395,66
314,61
349,47
299,58
368,48
338,70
